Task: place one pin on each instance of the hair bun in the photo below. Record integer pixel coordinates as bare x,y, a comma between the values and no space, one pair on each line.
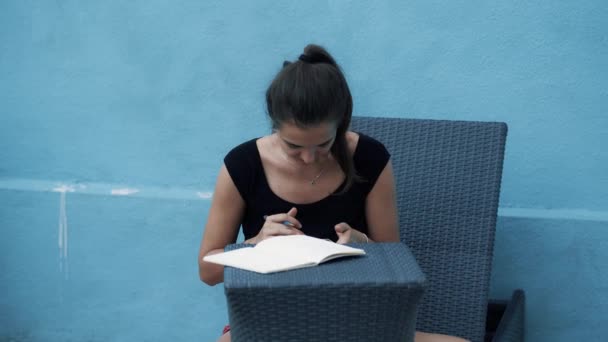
307,59
316,54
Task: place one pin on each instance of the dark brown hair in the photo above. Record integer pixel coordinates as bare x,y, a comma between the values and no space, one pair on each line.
311,91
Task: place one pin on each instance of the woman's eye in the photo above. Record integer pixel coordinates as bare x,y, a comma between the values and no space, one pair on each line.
326,144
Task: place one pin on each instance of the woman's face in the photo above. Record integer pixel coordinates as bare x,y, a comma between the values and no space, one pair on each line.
307,145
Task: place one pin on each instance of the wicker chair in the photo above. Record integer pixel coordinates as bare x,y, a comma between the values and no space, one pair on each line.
448,176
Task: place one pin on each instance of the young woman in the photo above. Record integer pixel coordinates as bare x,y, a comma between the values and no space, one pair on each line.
325,180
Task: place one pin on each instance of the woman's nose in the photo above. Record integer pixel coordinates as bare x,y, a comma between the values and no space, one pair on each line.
309,155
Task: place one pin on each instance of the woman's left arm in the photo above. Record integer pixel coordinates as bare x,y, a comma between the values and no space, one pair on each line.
381,208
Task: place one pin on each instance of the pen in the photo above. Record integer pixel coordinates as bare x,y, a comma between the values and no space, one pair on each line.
286,223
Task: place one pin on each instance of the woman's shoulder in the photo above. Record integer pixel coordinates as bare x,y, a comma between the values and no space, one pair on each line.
363,146
244,147
370,158
242,154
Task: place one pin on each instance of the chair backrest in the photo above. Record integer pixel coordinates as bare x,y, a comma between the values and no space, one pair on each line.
448,176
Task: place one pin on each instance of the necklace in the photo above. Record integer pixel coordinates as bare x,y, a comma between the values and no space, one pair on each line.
314,180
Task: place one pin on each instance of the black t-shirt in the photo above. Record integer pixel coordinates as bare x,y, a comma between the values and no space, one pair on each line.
318,219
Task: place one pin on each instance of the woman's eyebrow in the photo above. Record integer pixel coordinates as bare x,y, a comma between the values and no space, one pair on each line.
298,146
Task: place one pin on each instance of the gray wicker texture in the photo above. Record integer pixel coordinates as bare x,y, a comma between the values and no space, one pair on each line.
365,298
448,176
511,328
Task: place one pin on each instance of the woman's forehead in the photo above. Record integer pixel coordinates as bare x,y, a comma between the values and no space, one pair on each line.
309,135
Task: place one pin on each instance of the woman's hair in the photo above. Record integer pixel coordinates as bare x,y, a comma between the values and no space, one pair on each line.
311,91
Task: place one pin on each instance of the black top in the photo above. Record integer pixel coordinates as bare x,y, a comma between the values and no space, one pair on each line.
318,219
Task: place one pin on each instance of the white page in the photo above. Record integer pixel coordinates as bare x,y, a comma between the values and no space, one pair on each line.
258,261
306,248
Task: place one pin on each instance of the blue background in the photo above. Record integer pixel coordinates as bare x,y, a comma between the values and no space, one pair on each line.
144,98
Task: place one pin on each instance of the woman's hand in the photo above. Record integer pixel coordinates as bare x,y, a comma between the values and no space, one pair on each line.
279,224
347,234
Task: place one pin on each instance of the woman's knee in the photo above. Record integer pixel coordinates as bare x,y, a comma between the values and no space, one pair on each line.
427,337
225,337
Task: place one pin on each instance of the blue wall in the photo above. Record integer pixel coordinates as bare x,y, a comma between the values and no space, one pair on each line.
115,115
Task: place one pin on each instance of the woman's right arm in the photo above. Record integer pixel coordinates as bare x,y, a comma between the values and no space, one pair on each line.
223,222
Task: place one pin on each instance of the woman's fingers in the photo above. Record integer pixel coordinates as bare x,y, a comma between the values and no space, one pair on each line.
347,234
280,224
343,230
285,219
275,229
293,212
342,227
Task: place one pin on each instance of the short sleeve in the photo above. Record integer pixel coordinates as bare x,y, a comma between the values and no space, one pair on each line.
370,159
242,166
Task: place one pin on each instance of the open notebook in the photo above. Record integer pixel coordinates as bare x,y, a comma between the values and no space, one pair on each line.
283,253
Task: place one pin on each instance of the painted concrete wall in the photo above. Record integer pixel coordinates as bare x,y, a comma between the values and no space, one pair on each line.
115,115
